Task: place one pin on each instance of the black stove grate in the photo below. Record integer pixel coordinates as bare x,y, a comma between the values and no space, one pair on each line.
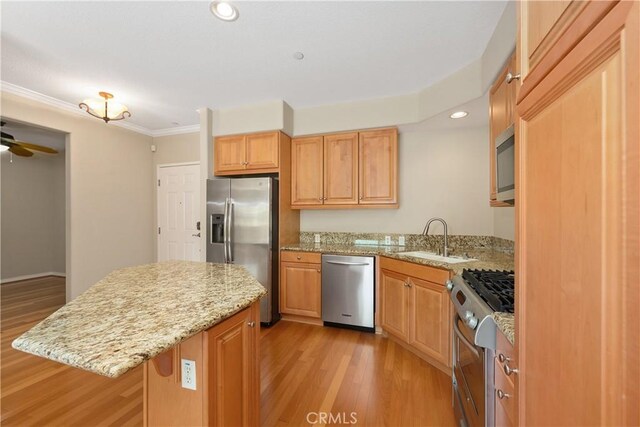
495,287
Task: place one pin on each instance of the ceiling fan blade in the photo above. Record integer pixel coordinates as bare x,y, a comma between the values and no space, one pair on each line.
37,147
19,151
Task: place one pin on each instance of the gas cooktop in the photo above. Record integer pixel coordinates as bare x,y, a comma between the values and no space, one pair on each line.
495,287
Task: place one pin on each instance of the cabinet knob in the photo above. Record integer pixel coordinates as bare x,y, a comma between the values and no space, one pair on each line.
251,324
511,77
298,257
319,270
502,395
360,198
509,370
502,358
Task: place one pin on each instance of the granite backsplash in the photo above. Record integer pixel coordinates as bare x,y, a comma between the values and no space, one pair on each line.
457,243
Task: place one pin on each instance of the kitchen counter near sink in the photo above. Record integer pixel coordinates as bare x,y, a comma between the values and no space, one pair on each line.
489,259
136,313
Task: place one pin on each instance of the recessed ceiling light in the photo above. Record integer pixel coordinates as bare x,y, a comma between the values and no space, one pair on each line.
459,114
224,10
298,56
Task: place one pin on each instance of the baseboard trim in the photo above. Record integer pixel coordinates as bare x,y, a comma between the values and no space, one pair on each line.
32,276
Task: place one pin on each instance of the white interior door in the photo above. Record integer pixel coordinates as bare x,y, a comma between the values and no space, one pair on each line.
179,222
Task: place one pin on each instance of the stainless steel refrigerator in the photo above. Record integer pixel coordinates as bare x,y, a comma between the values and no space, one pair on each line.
242,228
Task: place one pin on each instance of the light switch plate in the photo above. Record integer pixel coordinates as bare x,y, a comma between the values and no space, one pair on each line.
188,374
387,240
316,237
401,240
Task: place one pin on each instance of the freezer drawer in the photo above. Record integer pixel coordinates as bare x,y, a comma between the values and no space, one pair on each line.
348,284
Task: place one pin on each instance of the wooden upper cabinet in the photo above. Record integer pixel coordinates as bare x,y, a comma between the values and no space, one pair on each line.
378,167
306,171
502,114
346,170
247,154
230,153
341,169
262,150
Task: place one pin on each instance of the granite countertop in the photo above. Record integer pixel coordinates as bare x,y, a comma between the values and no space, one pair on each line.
488,259
136,313
506,324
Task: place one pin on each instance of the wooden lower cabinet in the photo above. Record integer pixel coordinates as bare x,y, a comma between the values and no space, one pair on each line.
505,389
301,285
415,308
395,303
227,375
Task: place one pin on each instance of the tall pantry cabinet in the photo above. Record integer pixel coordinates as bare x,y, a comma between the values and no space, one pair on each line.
577,205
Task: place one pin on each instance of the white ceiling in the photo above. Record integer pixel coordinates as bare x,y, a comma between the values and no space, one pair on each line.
165,59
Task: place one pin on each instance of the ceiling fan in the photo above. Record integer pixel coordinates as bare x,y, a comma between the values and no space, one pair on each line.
22,148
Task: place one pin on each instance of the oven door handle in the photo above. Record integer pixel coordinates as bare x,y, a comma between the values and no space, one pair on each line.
462,338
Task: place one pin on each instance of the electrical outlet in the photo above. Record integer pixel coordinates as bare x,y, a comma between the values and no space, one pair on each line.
401,240
188,374
387,240
316,237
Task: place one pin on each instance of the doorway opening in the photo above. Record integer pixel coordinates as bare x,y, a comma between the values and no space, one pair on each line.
33,212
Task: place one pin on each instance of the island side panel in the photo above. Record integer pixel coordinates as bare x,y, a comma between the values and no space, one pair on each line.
227,377
164,398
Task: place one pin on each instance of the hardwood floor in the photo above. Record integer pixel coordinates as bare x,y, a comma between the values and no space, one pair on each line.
305,370
40,392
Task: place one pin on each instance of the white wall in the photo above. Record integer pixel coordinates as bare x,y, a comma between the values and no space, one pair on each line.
504,223
442,172
109,192
33,210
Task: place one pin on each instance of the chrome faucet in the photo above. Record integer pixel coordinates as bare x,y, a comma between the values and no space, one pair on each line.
445,252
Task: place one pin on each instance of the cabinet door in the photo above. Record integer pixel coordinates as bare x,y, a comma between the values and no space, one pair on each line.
232,384
394,292
378,167
341,169
431,320
301,289
306,171
230,154
577,231
262,150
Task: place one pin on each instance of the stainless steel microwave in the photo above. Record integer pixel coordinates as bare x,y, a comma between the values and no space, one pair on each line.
505,166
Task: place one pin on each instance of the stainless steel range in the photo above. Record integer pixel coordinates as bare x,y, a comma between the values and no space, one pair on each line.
476,294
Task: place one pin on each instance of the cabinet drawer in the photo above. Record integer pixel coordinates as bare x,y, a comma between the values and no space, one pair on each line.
504,384
503,346
424,272
308,257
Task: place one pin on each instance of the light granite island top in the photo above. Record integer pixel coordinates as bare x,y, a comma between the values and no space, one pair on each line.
136,313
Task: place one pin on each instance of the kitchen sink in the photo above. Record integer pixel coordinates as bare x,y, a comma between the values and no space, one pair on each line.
435,257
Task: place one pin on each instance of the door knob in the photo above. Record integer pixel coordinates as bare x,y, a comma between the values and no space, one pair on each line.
195,235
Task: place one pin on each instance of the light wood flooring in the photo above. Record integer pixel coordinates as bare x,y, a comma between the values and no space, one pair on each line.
305,370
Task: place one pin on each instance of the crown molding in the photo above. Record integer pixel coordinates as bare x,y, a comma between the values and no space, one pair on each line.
74,109
175,131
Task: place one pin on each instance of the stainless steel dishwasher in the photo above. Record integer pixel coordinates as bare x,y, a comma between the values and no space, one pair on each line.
348,291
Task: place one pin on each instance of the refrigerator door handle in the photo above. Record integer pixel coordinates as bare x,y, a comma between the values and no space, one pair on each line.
225,230
230,222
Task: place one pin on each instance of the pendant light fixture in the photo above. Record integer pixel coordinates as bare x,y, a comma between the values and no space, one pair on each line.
104,108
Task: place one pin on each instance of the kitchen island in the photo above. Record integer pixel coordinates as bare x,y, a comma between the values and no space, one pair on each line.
162,315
